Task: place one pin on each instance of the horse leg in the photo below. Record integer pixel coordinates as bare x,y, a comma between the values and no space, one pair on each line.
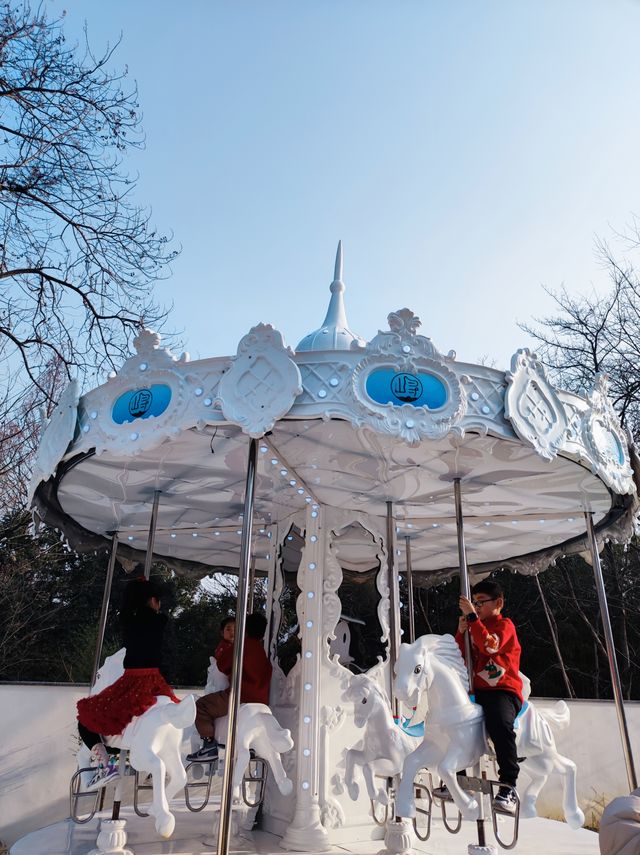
159,809
572,812
175,769
354,758
538,769
378,795
405,800
242,761
467,805
284,784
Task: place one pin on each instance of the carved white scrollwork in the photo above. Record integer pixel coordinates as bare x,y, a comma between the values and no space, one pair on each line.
532,405
331,605
262,382
332,814
331,718
605,440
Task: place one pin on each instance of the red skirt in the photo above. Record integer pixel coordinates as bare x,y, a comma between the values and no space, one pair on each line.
110,711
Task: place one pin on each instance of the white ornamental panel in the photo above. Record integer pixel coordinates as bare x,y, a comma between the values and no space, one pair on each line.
605,440
532,405
262,382
404,387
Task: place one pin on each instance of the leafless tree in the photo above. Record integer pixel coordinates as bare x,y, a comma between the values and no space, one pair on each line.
78,257
591,334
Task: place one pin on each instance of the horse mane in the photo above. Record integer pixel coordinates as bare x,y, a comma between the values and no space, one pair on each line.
445,649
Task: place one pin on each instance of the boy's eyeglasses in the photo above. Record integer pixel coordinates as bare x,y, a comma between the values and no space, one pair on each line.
477,603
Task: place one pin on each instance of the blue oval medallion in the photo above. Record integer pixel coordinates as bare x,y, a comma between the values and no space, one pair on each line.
387,386
141,404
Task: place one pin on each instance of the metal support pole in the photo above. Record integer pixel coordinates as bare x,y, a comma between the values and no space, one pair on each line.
611,654
412,617
465,587
252,584
224,826
152,534
465,590
102,625
394,602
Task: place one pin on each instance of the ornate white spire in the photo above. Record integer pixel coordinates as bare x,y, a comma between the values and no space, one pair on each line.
334,334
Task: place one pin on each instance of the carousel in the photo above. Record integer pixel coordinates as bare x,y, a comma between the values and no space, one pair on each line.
328,471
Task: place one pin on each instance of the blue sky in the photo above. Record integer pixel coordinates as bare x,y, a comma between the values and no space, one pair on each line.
466,153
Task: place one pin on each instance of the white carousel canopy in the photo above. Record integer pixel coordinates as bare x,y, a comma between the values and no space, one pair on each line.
393,420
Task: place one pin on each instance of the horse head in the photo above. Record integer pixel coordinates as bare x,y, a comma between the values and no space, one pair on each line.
111,670
418,664
413,672
216,680
365,695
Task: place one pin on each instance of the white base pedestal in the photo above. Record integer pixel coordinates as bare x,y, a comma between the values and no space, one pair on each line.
112,838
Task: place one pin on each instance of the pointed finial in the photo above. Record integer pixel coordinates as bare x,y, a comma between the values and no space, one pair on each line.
334,334
337,270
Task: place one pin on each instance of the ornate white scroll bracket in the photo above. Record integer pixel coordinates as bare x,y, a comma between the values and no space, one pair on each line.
261,383
605,440
56,436
532,405
402,338
149,355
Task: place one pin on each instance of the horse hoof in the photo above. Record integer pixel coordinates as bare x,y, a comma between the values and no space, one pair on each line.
575,820
470,811
286,787
166,827
528,812
354,791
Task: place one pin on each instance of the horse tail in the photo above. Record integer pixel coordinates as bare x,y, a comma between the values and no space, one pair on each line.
180,715
559,715
279,737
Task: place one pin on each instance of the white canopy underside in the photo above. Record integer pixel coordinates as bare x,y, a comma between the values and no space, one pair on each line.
514,502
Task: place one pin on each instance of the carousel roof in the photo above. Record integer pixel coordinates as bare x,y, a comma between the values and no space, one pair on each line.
343,424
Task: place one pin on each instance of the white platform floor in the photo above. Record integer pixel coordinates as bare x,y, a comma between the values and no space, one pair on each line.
66,838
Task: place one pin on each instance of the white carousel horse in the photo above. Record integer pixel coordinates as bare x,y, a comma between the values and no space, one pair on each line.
153,740
384,744
257,729
454,731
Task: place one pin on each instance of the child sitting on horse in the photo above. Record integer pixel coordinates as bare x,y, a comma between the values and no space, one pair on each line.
254,687
110,711
495,652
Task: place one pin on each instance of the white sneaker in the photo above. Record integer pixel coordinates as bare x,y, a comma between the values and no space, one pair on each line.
103,776
506,800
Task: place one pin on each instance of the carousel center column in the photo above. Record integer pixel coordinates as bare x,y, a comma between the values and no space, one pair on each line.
306,833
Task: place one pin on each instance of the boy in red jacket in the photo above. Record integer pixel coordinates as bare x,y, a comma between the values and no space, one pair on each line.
497,686
254,686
